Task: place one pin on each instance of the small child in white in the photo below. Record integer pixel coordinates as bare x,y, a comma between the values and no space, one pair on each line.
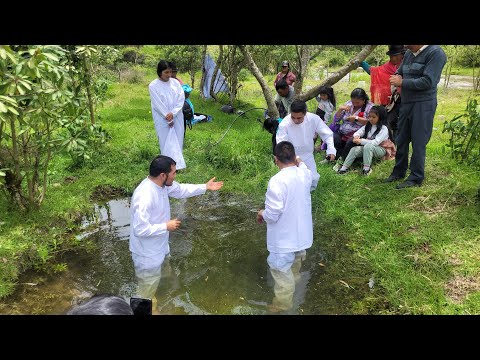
369,140
326,106
326,103
288,214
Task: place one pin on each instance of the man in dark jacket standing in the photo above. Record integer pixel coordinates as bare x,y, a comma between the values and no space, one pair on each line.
418,76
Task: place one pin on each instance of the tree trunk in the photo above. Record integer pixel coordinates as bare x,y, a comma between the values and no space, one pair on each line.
234,67
448,68
335,77
204,73
88,77
272,109
13,178
303,55
192,78
215,72
45,166
476,79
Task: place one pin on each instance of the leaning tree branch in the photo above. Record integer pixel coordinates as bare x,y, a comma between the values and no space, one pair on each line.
349,66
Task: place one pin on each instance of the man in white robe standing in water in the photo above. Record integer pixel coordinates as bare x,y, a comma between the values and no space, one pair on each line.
288,215
167,98
150,223
299,127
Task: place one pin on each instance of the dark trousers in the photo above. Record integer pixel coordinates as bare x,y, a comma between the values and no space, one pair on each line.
415,125
342,147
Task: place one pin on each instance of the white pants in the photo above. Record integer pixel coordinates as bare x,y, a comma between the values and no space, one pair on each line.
285,270
148,272
312,166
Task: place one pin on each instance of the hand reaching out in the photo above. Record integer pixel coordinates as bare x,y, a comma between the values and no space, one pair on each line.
173,224
213,185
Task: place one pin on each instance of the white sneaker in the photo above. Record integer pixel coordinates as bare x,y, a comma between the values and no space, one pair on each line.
366,172
324,161
337,167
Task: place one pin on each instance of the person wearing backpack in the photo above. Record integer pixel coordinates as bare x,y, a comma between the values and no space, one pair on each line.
188,109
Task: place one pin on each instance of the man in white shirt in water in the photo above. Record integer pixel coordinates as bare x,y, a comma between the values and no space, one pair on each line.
288,214
299,127
150,220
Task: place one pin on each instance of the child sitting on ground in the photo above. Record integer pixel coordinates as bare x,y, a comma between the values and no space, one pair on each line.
371,140
326,106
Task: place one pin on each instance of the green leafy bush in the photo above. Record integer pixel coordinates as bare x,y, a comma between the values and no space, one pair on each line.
465,135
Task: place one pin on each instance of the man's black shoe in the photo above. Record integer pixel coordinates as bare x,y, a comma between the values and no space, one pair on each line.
392,178
407,184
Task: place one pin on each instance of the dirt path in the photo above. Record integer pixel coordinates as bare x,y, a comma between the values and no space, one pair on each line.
457,82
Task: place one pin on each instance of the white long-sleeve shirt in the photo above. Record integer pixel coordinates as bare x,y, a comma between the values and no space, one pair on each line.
301,135
379,138
288,210
167,96
326,106
150,211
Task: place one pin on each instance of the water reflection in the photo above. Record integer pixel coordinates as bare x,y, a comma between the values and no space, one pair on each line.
218,265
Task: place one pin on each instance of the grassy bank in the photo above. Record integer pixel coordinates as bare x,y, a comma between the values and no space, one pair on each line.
423,243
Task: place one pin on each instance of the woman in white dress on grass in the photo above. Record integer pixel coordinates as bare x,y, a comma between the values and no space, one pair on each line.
167,98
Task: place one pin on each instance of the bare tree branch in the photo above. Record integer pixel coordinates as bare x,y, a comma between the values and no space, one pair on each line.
349,66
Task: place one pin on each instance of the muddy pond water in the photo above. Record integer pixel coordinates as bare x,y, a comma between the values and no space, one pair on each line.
218,260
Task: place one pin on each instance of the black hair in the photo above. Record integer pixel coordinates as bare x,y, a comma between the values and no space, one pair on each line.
161,164
298,106
271,125
103,305
281,84
359,93
162,65
285,152
172,66
382,120
328,90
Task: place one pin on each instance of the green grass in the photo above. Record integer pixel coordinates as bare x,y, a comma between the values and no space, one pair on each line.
463,71
423,243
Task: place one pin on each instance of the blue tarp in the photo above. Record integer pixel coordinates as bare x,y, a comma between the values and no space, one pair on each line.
220,82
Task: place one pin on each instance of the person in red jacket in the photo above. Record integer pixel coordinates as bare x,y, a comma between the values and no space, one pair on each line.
380,88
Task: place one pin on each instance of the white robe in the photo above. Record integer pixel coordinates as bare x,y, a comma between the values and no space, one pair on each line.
288,210
167,96
301,136
150,211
